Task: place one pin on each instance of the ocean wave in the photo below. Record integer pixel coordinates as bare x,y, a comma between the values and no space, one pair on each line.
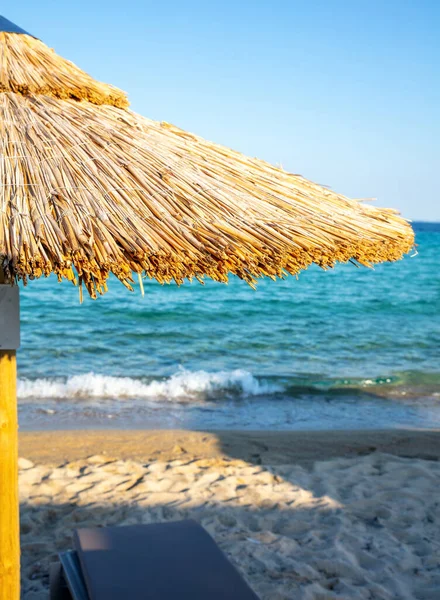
183,385
192,386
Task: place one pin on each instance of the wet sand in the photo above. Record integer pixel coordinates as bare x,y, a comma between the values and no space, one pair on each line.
263,447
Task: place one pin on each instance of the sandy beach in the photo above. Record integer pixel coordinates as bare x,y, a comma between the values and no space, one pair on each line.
309,516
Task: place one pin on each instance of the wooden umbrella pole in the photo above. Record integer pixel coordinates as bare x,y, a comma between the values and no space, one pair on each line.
9,503
9,510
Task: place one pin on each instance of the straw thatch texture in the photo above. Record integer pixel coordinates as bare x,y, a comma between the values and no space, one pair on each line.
29,67
105,190
89,188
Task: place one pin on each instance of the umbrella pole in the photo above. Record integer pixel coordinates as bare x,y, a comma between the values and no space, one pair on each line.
9,503
9,525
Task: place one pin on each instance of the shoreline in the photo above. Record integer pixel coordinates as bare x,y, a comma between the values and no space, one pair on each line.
257,447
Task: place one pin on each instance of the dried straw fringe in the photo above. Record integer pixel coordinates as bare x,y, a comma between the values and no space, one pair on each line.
105,190
29,67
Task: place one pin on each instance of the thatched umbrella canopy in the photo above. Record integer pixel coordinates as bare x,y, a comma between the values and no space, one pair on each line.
90,188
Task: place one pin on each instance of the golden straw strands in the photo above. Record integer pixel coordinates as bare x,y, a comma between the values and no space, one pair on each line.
90,187
29,67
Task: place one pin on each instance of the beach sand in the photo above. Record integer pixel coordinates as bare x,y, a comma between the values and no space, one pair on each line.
302,515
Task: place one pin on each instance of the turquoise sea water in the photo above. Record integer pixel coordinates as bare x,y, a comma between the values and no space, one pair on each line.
344,348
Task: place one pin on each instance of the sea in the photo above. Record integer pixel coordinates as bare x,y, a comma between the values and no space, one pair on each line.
347,348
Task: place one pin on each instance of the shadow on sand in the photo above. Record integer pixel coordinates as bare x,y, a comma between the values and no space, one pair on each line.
347,528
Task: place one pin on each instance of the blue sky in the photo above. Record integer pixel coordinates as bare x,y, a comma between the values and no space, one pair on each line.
344,93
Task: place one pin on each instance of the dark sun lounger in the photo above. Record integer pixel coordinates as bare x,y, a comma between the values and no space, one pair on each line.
165,561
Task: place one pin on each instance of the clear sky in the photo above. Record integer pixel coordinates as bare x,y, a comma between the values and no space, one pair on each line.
346,93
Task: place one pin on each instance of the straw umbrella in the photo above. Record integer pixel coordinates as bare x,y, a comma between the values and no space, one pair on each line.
89,188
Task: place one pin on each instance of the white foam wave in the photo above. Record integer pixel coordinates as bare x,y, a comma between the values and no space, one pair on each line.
183,385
